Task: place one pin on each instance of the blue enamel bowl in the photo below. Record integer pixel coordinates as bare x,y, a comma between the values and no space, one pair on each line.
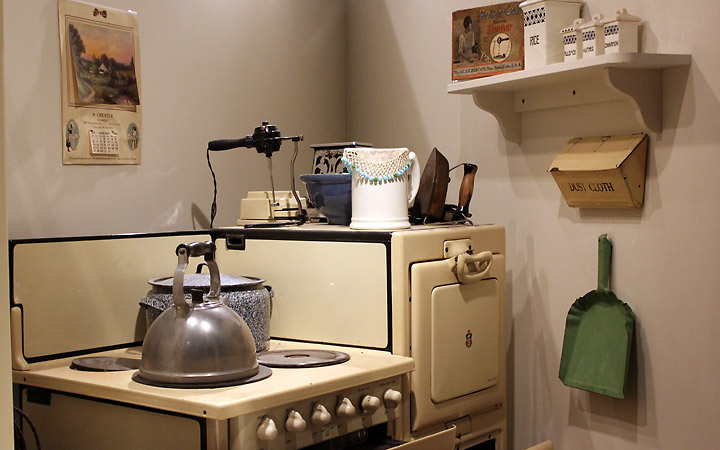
331,193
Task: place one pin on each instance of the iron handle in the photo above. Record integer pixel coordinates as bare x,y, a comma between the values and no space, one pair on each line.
466,188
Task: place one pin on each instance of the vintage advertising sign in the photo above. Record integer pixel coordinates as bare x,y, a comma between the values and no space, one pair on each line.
487,41
100,71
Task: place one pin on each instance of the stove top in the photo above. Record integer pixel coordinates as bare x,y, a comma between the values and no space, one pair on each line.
284,386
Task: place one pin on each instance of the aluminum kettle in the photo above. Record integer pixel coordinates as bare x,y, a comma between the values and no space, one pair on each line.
201,342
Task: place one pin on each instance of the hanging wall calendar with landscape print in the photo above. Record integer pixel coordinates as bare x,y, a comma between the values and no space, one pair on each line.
99,49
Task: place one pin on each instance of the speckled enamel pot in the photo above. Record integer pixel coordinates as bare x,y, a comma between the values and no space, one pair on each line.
247,296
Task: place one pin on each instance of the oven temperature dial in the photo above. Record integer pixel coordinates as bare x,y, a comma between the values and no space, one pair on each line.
295,422
369,404
267,431
320,415
345,408
392,398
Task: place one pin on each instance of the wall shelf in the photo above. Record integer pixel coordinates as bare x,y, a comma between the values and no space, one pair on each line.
635,77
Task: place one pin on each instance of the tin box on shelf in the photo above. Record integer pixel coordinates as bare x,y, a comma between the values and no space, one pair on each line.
621,32
543,20
487,41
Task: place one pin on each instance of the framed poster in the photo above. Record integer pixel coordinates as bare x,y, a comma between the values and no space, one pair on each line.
100,71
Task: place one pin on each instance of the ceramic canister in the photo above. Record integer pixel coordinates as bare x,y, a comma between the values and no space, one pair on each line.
621,32
572,41
384,184
542,22
593,37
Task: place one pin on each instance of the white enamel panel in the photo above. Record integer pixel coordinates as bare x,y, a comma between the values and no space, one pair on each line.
85,294
323,291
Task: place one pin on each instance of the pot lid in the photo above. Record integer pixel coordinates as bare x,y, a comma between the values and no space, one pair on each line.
202,280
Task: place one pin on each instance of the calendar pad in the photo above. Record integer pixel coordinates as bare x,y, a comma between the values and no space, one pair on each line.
104,142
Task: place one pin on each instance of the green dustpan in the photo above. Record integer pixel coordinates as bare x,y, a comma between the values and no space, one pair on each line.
598,335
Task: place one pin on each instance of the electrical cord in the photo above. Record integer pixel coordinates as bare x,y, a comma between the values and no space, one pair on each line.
32,428
213,208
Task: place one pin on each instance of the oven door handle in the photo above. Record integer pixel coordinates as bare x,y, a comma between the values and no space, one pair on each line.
472,267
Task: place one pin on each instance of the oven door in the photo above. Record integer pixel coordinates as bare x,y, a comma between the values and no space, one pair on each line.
457,337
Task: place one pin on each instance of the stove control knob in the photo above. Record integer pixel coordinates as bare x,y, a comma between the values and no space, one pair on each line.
370,404
392,398
320,415
267,431
345,408
295,422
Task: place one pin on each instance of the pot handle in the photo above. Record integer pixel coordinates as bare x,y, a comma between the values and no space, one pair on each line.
184,252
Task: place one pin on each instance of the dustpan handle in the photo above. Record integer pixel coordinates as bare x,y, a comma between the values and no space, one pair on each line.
604,257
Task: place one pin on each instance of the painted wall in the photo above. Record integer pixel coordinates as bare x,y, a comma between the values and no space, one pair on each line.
210,70
665,255
216,69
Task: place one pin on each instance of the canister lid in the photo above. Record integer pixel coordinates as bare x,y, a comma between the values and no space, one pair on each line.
574,27
528,3
621,15
596,21
202,280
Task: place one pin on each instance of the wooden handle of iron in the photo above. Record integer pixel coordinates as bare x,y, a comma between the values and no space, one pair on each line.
466,188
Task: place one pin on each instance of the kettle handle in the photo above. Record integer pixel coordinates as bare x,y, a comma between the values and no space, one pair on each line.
184,252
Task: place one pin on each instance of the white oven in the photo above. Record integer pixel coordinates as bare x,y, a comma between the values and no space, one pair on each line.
427,348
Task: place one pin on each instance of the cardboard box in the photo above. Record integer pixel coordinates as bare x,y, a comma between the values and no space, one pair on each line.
487,41
602,172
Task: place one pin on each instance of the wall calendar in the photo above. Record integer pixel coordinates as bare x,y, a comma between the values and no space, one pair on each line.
100,71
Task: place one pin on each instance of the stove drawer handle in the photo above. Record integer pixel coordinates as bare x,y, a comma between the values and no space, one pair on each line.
479,263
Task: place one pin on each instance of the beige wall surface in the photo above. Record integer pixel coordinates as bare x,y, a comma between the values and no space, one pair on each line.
210,70
6,428
665,255
216,69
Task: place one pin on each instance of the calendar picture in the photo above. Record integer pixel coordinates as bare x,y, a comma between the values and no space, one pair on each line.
101,88
103,62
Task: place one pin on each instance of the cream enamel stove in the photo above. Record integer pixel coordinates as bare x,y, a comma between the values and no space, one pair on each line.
419,312
76,300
